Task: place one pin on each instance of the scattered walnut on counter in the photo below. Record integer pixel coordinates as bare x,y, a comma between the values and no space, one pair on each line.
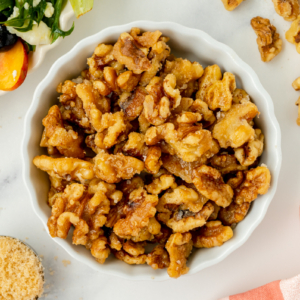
231,4
293,34
288,9
268,41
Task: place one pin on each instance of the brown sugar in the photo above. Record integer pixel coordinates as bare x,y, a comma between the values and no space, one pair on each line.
21,272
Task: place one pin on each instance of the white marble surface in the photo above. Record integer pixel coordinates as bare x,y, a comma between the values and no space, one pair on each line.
271,253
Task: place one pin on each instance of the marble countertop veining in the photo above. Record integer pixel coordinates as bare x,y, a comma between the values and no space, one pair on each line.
271,253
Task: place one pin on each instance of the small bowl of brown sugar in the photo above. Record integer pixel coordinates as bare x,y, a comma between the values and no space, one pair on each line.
21,271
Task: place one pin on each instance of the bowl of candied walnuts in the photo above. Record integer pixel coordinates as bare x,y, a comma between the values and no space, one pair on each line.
143,147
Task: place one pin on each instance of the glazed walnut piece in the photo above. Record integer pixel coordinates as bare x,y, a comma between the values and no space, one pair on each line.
248,153
100,249
67,142
226,163
233,130
211,235
219,94
138,211
113,168
160,184
231,4
184,70
288,9
257,181
127,51
293,34
158,258
209,183
65,168
188,142
179,247
269,43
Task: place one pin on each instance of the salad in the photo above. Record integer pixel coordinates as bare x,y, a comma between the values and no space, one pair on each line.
25,24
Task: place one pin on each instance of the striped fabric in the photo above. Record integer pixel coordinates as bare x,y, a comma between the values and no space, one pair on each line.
288,289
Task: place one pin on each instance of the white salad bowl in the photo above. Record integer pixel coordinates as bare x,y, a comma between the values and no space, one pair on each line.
37,57
187,43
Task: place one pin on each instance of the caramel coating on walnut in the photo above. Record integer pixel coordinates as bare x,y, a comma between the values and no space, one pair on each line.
130,259
268,41
158,258
179,247
69,168
213,234
209,182
234,130
219,94
296,84
184,70
248,153
288,9
231,4
257,181
113,168
188,142
126,51
293,34
138,211
234,213
160,184
67,142
100,249
226,163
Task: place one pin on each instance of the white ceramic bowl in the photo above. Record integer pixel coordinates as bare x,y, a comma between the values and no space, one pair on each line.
188,43
37,57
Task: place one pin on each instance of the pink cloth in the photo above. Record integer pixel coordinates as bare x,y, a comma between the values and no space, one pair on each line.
288,289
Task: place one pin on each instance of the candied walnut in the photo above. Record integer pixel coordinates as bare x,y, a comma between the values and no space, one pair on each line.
102,87
67,142
138,211
211,75
219,94
298,119
101,57
215,213
181,168
209,183
129,259
189,143
113,168
268,41
164,234
293,34
235,182
239,95
64,222
147,39
248,153
185,220
90,99
100,249
231,4
58,208
288,9
110,76
158,54
67,168
173,94
126,51
156,113
132,104
112,129
133,248
234,130
184,70
115,242
226,163
234,213
188,117
201,107
179,247
158,258
127,81
143,123
135,146
257,181
213,234
160,184
296,84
